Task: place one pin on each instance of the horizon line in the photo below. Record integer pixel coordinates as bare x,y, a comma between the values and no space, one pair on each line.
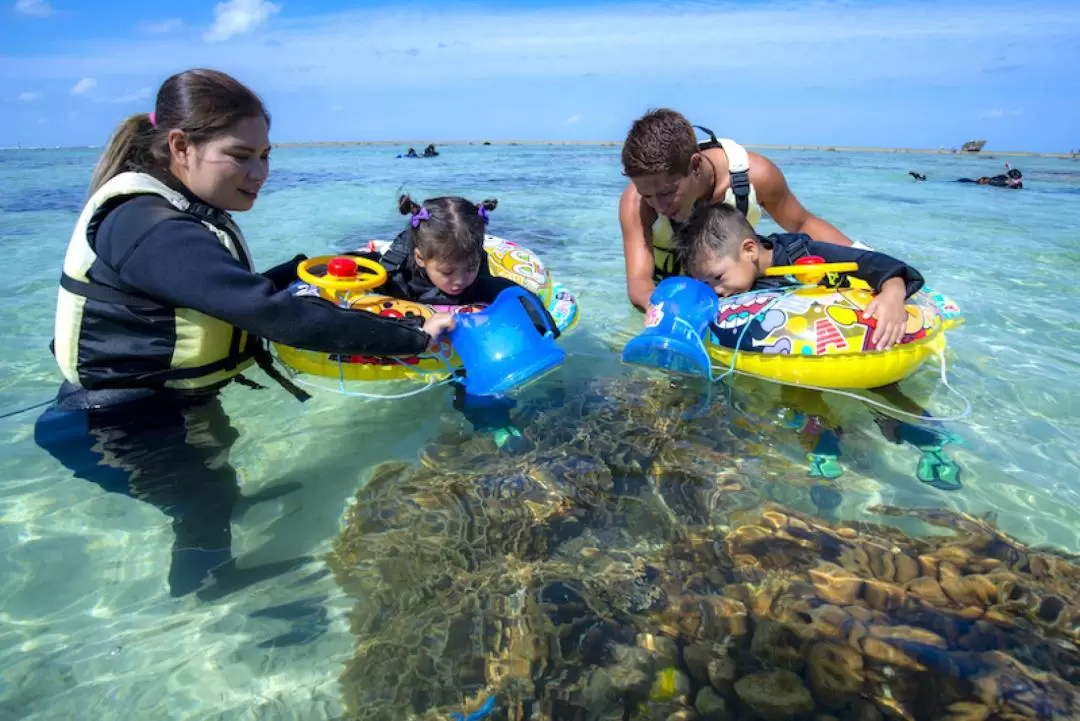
616,143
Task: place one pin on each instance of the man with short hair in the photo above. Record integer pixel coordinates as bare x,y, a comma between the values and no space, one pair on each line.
670,171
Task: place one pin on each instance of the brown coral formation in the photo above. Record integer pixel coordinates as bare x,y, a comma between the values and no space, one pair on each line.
620,578
965,626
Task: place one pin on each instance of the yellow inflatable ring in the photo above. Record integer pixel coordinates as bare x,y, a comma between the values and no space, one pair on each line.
341,273
819,336
506,259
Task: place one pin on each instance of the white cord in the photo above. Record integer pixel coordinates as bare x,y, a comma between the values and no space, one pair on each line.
342,390
884,406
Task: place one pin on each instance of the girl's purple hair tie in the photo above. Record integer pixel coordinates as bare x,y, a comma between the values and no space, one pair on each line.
419,215
483,213
152,117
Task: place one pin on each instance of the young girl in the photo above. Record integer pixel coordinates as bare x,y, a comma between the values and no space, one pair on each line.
439,259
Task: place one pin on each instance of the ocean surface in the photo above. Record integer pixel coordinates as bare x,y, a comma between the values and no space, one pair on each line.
87,627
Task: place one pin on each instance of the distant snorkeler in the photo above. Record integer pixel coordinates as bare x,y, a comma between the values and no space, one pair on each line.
917,176
1011,178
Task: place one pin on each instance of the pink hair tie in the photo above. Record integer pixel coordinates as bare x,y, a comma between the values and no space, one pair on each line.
152,116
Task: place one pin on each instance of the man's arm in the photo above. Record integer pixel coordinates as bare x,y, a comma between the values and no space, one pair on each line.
782,205
637,247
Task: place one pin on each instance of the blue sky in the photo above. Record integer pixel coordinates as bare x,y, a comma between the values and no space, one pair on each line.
911,73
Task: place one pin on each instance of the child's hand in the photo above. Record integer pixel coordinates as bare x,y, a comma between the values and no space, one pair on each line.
888,308
438,324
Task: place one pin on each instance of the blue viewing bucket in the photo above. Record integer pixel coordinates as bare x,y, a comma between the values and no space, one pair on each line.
680,311
500,346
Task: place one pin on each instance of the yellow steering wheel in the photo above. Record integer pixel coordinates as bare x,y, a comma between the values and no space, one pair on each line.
810,272
342,273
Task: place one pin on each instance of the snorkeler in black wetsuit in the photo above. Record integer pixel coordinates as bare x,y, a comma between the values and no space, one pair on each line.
1009,179
917,176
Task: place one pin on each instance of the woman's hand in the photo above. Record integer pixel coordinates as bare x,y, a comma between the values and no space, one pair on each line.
887,308
438,324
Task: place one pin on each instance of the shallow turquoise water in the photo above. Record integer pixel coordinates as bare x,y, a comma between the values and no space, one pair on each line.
87,626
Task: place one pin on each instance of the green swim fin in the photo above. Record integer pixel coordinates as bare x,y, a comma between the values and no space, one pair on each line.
509,439
937,470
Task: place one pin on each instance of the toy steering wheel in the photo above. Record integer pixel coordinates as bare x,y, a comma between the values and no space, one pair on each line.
811,269
342,273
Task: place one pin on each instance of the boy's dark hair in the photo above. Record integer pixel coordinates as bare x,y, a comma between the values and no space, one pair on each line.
712,229
452,231
660,141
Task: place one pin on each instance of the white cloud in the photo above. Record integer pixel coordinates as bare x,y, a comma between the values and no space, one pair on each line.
36,8
991,114
573,119
822,45
29,96
136,95
161,27
234,17
83,86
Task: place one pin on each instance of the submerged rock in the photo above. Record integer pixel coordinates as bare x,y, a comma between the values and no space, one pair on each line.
774,695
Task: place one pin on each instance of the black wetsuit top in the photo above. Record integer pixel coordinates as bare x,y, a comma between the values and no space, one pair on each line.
999,181
1002,181
874,268
179,262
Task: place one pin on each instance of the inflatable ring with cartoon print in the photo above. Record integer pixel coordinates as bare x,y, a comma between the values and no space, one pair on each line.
819,335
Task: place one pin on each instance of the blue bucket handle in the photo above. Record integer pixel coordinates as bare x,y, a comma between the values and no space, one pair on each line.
526,298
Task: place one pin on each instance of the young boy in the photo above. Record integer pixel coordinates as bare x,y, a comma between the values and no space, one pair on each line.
718,246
